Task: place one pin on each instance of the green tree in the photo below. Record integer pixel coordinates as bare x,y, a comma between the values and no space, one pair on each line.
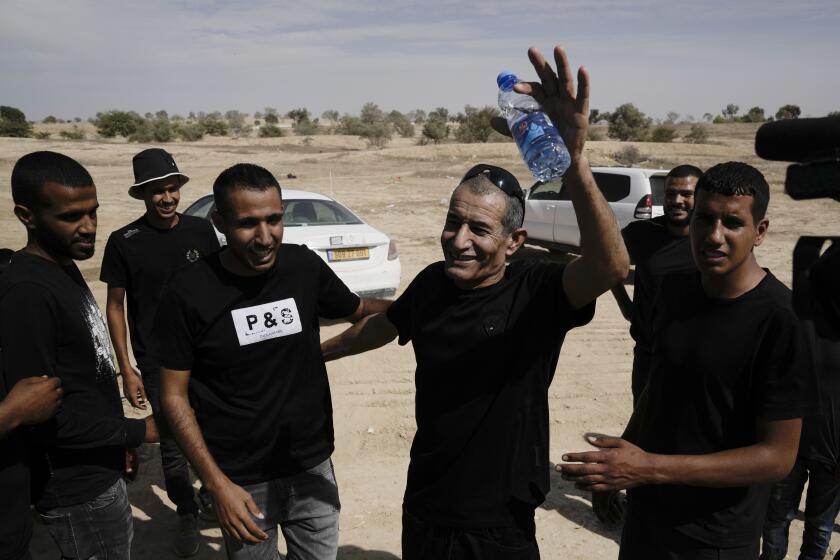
350,125
238,122
271,116
298,115
49,119
419,116
788,112
269,130
214,125
437,127
330,115
627,122
730,112
756,114
708,117
305,127
13,123
376,129
401,123
118,123
476,125
672,117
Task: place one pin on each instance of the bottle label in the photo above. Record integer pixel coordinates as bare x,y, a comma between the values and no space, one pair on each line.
531,128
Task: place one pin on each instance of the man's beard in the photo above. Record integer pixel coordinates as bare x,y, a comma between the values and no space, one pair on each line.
57,247
678,223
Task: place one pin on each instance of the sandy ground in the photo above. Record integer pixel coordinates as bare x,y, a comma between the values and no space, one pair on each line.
403,191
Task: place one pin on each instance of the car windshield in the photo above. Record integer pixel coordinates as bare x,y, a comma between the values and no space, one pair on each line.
317,213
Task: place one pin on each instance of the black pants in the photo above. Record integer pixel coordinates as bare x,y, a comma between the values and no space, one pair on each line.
176,471
642,539
424,541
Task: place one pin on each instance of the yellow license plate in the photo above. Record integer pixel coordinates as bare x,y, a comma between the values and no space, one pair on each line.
357,254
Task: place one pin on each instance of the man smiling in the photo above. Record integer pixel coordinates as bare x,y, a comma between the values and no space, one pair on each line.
731,377
139,257
240,328
487,338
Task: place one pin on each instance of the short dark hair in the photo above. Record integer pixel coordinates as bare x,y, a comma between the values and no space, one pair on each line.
514,211
685,170
33,170
735,178
242,176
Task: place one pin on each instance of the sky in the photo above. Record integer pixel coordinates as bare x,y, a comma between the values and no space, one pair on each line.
72,58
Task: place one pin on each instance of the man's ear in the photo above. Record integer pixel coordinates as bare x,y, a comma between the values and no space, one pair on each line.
517,239
25,215
761,231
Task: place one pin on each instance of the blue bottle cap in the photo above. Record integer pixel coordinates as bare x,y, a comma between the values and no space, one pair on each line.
506,80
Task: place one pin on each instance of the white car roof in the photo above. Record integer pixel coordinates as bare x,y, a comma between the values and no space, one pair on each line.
630,170
307,195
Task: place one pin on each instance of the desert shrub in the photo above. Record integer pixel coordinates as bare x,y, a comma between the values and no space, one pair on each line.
270,116
833,114
213,125
13,122
188,132
305,127
350,125
298,115
475,126
75,133
42,135
593,133
49,119
719,120
663,133
237,123
330,115
269,130
698,134
402,124
629,155
627,122
756,114
118,123
436,128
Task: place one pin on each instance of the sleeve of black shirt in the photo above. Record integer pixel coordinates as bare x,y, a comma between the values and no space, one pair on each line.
629,234
174,331
113,271
786,387
335,300
400,312
547,285
28,332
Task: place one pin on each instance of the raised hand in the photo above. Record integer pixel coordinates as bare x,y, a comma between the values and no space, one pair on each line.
565,105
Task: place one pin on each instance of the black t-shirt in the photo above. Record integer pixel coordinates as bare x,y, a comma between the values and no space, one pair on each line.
485,360
718,366
140,258
656,253
821,432
50,324
253,348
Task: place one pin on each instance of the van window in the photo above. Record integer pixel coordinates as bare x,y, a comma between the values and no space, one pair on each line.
657,187
546,191
614,187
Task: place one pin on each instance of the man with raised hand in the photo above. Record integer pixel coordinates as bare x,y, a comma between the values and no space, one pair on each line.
139,258
731,378
487,338
50,325
240,328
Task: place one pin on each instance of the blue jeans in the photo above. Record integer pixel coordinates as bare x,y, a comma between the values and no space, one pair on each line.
305,506
99,529
821,506
176,472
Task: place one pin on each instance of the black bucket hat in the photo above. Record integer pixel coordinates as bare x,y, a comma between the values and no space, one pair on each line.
151,165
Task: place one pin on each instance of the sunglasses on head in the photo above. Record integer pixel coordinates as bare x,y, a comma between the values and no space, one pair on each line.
502,178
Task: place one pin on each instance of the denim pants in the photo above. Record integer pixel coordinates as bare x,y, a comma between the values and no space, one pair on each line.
821,506
306,507
176,472
100,529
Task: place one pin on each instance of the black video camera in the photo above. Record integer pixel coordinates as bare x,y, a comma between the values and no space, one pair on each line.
813,145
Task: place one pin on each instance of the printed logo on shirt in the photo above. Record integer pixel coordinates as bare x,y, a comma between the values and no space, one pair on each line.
193,255
130,232
266,321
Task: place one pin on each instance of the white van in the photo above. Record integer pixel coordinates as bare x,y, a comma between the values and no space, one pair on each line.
632,193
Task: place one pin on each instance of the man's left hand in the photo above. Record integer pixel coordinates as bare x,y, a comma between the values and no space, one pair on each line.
618,464
132,465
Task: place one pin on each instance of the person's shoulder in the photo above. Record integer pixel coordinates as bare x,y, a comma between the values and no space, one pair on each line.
773,294
194,222
27,275
533,267
127,232
198,273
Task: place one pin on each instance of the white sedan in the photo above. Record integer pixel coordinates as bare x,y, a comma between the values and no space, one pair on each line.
364,258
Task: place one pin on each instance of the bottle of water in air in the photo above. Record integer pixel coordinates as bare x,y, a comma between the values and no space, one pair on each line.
541,146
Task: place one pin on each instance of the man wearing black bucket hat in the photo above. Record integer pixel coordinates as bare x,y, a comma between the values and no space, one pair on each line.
139,257
487,338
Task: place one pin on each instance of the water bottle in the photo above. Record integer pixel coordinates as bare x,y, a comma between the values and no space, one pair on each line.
540,144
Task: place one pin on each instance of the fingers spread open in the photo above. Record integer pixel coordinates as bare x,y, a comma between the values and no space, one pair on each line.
544,71
564,73
582,100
